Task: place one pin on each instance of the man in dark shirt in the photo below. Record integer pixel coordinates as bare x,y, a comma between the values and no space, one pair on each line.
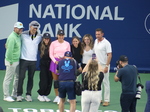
147,87
1,110
67,68
127,75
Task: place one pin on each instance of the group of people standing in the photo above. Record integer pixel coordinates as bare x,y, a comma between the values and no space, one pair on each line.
21,55
59,61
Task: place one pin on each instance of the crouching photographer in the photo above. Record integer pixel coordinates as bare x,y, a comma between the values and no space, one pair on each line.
127,75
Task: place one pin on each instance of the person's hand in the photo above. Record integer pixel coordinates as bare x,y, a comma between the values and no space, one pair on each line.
5,46
105,69
56,62
118,67
10,63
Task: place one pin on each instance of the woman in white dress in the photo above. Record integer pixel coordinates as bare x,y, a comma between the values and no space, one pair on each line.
87,49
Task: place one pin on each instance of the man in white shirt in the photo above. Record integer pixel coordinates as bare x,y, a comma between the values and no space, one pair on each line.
103,51
29,49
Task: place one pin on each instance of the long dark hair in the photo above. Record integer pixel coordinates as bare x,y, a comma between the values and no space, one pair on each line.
79,45
43,47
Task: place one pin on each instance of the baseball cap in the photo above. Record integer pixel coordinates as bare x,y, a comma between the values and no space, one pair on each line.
35,24
123,58
68,54
46,35
18,25
60,32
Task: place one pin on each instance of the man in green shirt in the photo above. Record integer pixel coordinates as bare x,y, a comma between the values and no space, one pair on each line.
12,56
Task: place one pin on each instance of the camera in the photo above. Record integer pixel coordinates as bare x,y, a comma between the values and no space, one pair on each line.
118,65
93,56
139,90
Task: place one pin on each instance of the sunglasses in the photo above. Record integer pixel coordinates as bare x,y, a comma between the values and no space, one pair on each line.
35,25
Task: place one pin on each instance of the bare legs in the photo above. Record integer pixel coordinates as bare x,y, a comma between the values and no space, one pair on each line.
72,105
55,77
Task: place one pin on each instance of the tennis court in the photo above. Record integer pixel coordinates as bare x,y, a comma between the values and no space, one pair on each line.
37,106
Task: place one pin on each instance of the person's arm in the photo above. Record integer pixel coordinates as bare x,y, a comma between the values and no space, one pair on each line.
116,79
86,67
9,49
80,69
39,46
77,67
51,52
68,48
109,56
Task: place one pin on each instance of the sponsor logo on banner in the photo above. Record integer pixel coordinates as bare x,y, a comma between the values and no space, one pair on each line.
147,23
56,11
65,12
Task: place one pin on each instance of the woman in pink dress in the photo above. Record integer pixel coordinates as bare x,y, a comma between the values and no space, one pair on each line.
57,50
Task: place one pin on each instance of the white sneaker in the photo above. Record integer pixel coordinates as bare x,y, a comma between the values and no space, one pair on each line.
28,98
14,96
41,98
9,99
46,99
56,99
19,99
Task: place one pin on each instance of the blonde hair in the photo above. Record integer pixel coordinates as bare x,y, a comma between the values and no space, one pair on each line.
43,47
91,42
92,75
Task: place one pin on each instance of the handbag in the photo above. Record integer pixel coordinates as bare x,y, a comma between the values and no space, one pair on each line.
78,88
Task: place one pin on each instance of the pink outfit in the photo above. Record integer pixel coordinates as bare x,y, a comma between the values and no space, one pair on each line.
57,49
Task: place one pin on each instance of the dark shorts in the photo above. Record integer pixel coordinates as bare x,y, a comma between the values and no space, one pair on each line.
67,88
